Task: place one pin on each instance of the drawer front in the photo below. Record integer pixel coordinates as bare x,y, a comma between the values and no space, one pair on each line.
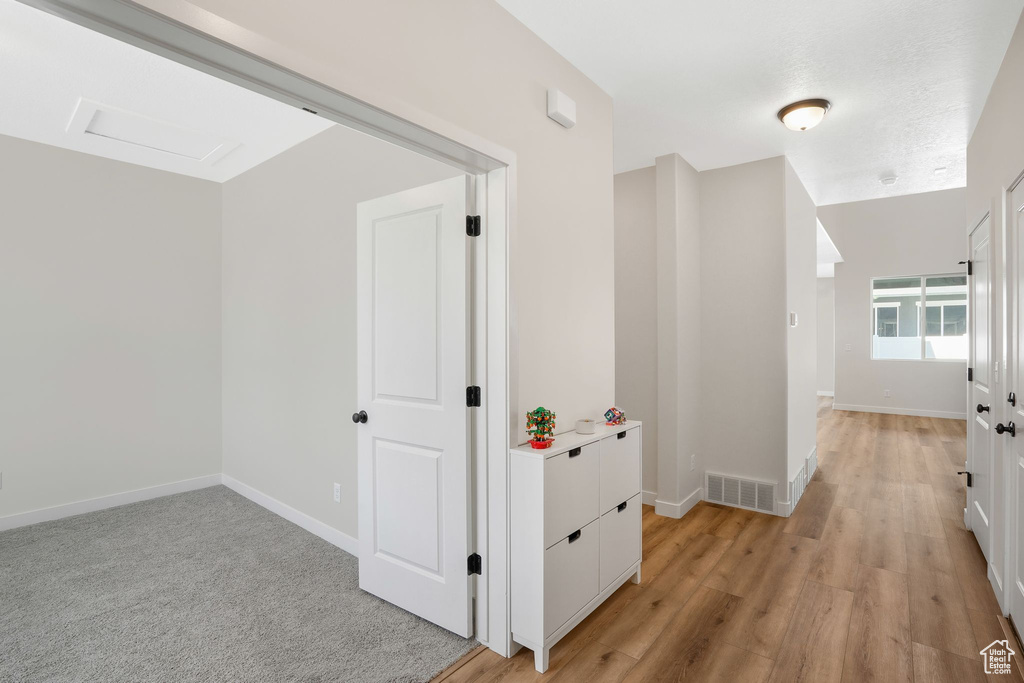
570,576
620,468
570,492
620,540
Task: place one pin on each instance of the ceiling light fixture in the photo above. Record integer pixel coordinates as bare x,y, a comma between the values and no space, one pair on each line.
888,180
804,114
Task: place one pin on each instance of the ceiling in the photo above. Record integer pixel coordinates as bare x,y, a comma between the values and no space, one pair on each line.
907,81
71,87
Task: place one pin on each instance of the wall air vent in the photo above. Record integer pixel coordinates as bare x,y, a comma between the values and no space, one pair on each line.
811,465
106,125
796,488
742,493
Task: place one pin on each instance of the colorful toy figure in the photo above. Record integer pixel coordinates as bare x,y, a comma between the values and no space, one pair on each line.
540,424
614,416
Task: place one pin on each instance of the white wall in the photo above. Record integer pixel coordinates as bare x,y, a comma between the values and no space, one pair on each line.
917,234
636,315
657,313
679,267
289,288
826,336
744,320
995,154
734,250
110,301
563,241
801,342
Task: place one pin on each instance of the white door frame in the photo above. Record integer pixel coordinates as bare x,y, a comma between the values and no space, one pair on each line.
231,53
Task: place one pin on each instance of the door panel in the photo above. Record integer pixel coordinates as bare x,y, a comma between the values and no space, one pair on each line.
414,473
408,478
979,496
405,306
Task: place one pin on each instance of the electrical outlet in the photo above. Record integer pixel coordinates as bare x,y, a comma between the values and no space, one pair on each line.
888,394
693,462
337,492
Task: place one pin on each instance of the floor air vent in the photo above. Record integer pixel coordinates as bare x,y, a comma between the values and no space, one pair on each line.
742,493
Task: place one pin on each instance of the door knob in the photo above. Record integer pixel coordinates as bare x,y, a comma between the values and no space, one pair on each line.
359,417
1010,427
983,409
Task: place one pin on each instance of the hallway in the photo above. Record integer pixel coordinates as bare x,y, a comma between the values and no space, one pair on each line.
873,578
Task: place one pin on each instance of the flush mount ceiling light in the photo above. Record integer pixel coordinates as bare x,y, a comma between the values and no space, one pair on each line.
888,180
804,114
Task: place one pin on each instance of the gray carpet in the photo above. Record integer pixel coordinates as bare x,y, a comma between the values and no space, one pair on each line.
201,586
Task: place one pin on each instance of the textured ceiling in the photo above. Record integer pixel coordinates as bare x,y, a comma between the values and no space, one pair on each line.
47,64
907,80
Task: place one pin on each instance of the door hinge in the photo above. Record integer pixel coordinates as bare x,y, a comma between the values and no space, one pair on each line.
970,478
473,226
476,564
970,374
473,397
970,266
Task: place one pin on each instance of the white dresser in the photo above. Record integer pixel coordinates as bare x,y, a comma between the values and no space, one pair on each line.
575,525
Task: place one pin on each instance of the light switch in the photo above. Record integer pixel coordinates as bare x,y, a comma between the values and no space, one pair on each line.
792,319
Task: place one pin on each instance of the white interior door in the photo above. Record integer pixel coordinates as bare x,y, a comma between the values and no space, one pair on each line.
979,496
1015,464
414,469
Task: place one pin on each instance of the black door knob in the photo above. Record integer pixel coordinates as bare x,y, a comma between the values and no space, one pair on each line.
982,409
1010,427
359,417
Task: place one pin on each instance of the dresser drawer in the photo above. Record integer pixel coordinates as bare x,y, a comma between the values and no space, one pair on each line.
620,468
620,539
570,492
570,576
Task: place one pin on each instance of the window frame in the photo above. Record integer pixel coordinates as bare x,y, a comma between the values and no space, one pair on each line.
922,306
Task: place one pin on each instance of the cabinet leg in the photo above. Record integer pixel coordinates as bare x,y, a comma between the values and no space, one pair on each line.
636,577
540,660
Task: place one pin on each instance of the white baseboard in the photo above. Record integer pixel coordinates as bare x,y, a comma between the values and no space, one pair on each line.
830,394
677,510
104,502
649,497
314,526
783,508
900,411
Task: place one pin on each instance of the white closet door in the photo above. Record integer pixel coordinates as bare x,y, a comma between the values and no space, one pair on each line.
414,474
981,424
1015,460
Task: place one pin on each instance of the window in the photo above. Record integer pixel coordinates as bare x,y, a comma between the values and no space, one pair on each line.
887,319
946,315
902,306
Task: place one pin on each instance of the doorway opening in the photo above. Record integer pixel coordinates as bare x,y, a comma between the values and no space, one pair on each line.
287,295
